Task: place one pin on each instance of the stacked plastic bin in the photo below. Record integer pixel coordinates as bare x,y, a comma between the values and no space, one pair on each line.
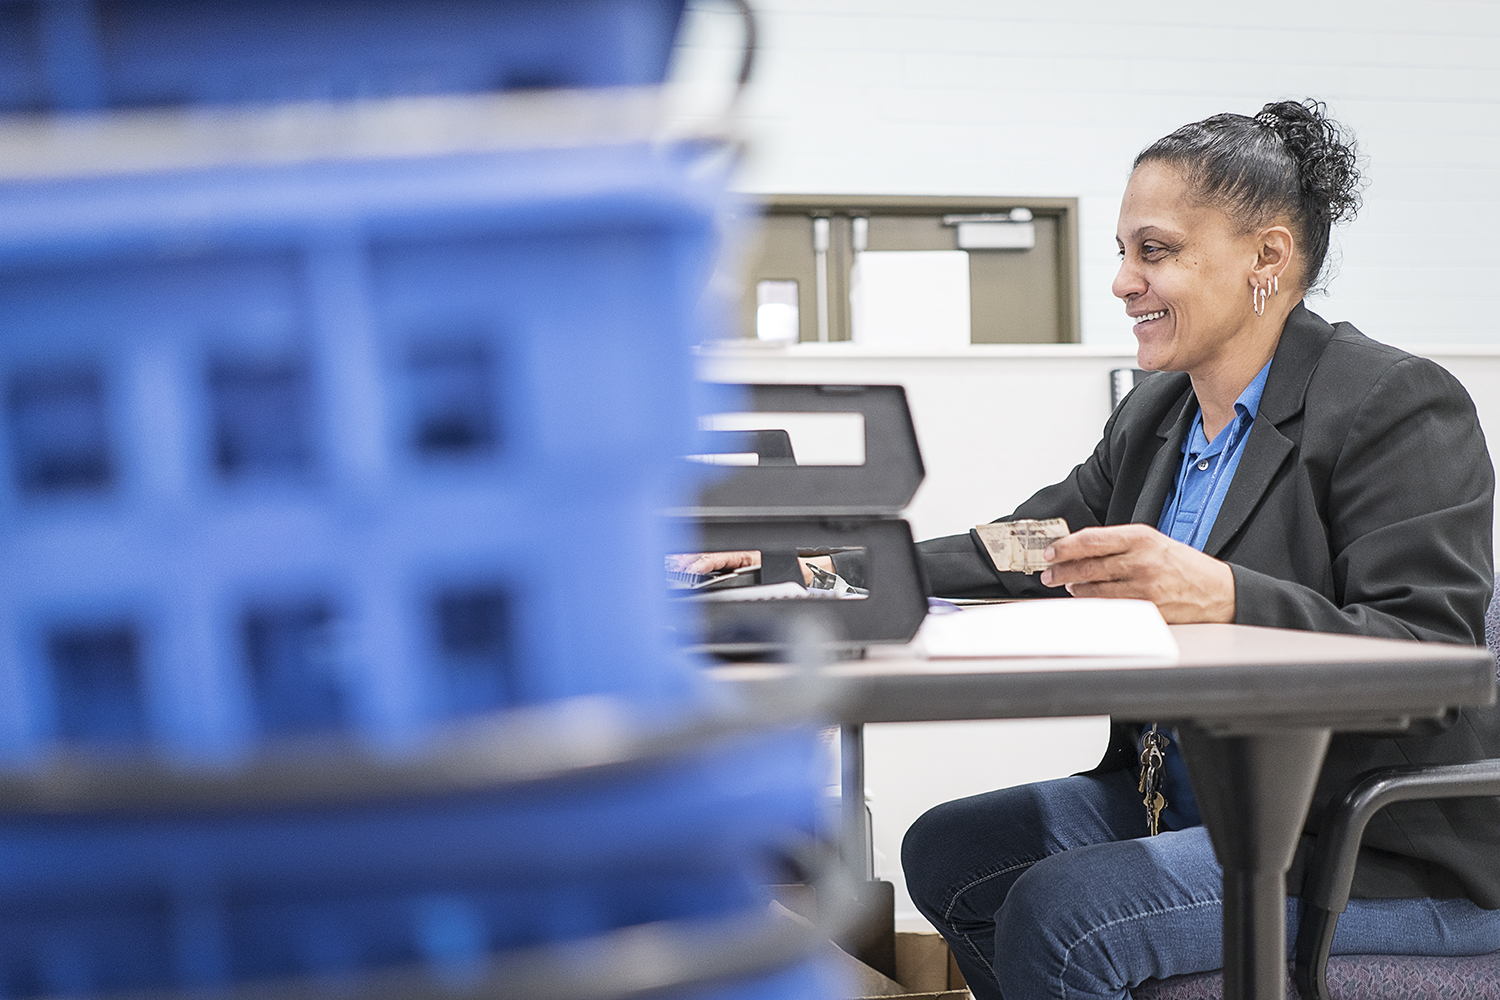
327,480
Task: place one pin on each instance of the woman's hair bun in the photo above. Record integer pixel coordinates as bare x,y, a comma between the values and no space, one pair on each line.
1288,161
1326,158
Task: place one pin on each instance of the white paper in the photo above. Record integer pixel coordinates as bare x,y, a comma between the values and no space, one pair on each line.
916,299
776,315
1062,627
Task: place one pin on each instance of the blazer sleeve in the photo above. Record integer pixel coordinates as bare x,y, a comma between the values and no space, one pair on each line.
1408,520
958,566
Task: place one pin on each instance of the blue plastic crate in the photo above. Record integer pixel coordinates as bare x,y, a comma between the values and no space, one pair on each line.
84,55
348,446
814,980
151,900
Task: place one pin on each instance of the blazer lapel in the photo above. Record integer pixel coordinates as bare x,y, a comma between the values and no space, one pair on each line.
1164,465
1265,449
1303,341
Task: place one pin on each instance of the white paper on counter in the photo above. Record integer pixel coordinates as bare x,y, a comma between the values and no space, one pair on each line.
1060,627
911,299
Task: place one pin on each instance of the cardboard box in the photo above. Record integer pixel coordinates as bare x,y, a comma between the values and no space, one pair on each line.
925,970
923,965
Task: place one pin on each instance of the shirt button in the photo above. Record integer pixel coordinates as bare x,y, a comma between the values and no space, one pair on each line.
1203,465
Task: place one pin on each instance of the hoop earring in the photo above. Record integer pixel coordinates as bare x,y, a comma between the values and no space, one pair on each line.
1259,294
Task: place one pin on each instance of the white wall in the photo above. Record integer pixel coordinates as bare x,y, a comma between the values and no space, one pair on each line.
980,97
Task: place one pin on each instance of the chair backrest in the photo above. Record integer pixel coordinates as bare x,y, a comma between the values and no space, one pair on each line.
1492,620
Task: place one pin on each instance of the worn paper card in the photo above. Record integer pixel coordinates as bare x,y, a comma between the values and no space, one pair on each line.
1017,546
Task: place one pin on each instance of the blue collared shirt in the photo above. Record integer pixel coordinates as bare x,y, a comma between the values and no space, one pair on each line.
1207,469
1198,492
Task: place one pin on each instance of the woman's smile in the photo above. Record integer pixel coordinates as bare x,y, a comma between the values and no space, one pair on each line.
1144,320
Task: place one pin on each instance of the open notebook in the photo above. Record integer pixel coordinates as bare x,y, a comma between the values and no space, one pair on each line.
1061,627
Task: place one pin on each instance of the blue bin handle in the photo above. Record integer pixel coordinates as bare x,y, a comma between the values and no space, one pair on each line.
558,741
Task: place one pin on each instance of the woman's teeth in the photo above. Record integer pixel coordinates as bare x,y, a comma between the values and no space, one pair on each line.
1148,317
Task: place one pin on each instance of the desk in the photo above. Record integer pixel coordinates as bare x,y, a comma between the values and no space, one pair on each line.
1254,708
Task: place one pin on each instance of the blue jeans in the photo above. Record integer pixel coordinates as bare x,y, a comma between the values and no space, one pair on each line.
1054,890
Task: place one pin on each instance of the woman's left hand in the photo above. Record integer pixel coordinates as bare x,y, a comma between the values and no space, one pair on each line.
1136,560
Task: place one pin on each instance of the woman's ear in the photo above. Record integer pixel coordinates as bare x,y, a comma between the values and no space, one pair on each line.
1275,248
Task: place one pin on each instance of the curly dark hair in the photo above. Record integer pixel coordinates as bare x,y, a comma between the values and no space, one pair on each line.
1290,160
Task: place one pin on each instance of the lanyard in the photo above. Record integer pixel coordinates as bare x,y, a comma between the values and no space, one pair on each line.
1213,481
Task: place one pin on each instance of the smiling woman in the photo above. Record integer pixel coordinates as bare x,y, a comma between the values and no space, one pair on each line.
1278,470
1186,268
1262,196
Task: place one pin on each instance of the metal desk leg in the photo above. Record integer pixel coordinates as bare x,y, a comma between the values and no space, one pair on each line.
861,856
1253,791
872,939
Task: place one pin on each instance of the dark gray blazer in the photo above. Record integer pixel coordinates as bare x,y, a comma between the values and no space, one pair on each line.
1362,504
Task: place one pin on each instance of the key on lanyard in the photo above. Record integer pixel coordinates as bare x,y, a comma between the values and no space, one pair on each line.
1152,763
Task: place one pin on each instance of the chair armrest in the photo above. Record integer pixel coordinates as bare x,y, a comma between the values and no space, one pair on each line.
1331,871
1332,868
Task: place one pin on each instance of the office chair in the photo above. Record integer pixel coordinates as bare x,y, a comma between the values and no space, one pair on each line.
1316,976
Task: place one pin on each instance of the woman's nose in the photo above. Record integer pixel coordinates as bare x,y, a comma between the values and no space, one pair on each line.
1127,281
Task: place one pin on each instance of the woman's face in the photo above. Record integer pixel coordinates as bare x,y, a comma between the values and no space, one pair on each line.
1184,273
